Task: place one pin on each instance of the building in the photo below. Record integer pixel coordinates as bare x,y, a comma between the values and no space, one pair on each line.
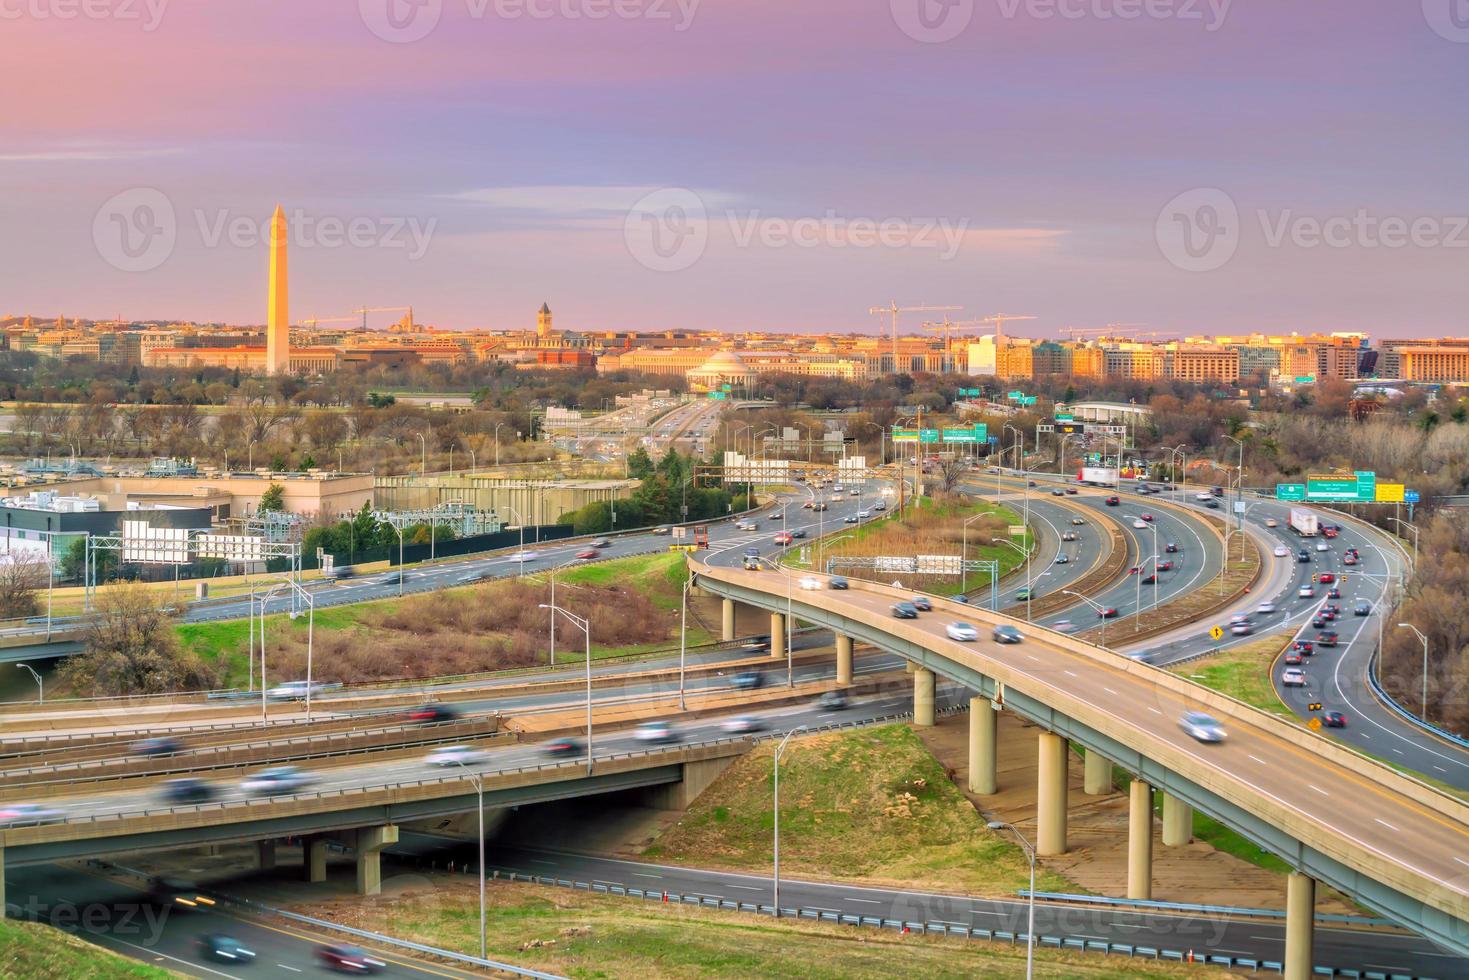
1134,362
1014,359
724,368
1202,364
224,495
1436,364
45,523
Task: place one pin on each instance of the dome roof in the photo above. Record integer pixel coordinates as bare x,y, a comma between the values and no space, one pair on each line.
724,361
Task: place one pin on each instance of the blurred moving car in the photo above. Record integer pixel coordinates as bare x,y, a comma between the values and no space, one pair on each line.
434,711
904,610
225,949
525,556
1065,626
655,731
349,959
293,691
1026,592
963,632
833,701
838,582
1334,719
1005,633
561,747
449,755
809,583
748,680
17,814
1107,612
278,779
742,725
187,789
162,745
1281,551
588,555
179,893
921,603
1202,727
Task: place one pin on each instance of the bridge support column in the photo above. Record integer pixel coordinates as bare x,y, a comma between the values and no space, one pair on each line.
1139,841
1178,821
1097,774
314,852
2,881
844,660
923,688
1300,925
982,747
727,620
1051,795
370,844
777,634
265,850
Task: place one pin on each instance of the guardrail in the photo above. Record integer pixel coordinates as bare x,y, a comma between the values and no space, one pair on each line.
1235,910
1391,704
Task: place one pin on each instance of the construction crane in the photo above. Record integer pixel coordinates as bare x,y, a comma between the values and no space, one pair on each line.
948,326
894,310
382,309
311,323
1000,319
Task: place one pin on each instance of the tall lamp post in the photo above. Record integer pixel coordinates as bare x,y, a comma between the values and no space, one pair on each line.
1095,605
964,552
40,685
586,628
1029,579
778,750
1030,912
1423,710
479,792
553,572
1414,529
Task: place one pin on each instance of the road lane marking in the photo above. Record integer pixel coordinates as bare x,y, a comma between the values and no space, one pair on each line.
1110,691
1319,790
1386,824
1259,760
641,874
864,901
747,888
293,969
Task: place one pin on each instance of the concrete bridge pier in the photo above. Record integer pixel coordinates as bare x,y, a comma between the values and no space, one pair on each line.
923,694
1139,840
2,880
314,853
1300,925
265,851
1051,790
1097,780
370,844
1178,822
727,620
777,634
982,747
844,660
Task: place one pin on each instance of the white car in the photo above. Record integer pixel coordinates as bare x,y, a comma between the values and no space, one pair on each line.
449,755
1281,551
1064,626
525,556
1322,546
879,506
1140,524
1265,608
1202,727
1272,522
655,731
1293,677
963,632
280,779
1068,536
1306,592
293,691
862,515
747,526
810,583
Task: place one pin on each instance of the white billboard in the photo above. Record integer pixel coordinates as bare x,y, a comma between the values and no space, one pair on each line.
739,468
145,544
940,565
231,547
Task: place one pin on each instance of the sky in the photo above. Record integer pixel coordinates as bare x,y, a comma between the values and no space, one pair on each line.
1187,166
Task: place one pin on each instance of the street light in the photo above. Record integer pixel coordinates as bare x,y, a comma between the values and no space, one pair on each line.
1030,914
1029,579
964,552
497,442
1424,640
1414,529
423,447
586,628
778,750
1095,605
479,792
40,685
570,561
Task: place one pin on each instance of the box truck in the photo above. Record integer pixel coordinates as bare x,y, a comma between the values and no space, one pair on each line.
1303,522
1100,475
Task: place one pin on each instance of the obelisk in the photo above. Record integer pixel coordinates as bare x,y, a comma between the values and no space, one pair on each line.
278,318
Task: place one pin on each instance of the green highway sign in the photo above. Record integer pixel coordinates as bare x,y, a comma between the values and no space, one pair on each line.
1064,417
1026,400
716,395
979,433
969,392
1354,488
1015,396
1308,379
1290,491
913,435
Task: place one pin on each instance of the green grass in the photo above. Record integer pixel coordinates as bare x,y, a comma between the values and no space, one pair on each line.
1243,673
871,805
32,950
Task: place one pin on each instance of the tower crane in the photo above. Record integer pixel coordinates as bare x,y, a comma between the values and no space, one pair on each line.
948,326
311,323
382,309
1000,319
894,309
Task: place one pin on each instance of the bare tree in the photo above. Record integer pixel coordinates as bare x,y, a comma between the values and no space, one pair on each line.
132,648
22,575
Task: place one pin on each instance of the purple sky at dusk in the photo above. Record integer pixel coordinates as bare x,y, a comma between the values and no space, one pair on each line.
824,160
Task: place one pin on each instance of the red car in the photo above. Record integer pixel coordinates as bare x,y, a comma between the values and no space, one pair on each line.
589,554
349,959
432,712
1329,532
1303,647
1349,560
1113,501
1146,517
1165,566
1107,612
784,538
1326,578
1134,570
1293,659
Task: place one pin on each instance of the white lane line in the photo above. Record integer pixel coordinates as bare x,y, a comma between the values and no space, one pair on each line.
1463,862
1386,824
1071,673
641,874
1319,790
1110,691
747,888
1440,768
864,901
1259,760
1154,710
293,969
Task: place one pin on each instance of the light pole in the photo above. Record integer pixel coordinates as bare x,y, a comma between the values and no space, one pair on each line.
558,568
1414,529
586,628
310,635
1095,605
423,448
1030,912
497,442
778,750
479,792
40,685
683,639
964,552
1138,589
1424,640
1029,579
264,607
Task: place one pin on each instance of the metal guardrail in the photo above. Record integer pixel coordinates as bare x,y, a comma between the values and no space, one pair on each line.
1234,910
1391,704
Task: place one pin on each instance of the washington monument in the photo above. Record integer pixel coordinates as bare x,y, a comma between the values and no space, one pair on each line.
278,318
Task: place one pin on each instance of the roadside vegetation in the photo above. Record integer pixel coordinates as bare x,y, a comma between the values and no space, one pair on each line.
33,951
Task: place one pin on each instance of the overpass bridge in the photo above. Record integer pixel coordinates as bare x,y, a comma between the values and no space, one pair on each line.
1383,838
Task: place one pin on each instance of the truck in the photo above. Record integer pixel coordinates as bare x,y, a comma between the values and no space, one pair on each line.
1100,475
1303,522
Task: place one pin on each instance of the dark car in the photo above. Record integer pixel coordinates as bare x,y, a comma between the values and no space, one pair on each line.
833,701
1070,491
225,949
601,543
1362,608
1005,633
1113,501
1333,593
561,747
349,959
1334,719
752,552
1030,483
836,582
759,644
1164,566
905,610
1326,638
1303,556
162,745
748,680
798,533
1149,579
188,789
922,604
1318,621
1107,612
1304,647
1171,548
433,712
1058,493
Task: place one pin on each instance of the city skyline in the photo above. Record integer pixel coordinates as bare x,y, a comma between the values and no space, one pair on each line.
1029,163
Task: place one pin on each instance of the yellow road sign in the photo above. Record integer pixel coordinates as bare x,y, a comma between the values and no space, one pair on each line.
1314,724
1216,633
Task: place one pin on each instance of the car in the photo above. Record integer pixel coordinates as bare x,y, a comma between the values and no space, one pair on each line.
1202,727
863,515
1026,592
434,711
854,492
662,529
833,701
187,789
1303,556
1062,560
880,505
850,519
1139,523
1148,518
1318,621
1328,614
1212,504
758,644
1107,612
1334,719
1294,659
1293,677
224,949
1361,608
587,555
1112,501
161,745
809,582
1304,647
1058,493
601,543
1329,531
450,755
1306,592
15,814
742,725
752,552
560,748
276,780
747,526
1164,566
392,578
1149,578
959,597
921,603
1326,638
293,691
521,557
1349,559
800,533
748,680
655,731
808,505
962,632
1069,536
1078,521
1322,546
838,582
1030,483
1170,548
1242,629
1065,626
1265,608
349,959
1333,593
1281,551
1135,569
340,572
1271,522
783,538
1070,491
752,563
1006,633
904,610
177,893
1326,578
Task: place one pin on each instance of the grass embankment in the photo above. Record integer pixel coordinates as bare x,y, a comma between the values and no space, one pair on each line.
868,805
1242,672
932,526
32,951
633,604
580,935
